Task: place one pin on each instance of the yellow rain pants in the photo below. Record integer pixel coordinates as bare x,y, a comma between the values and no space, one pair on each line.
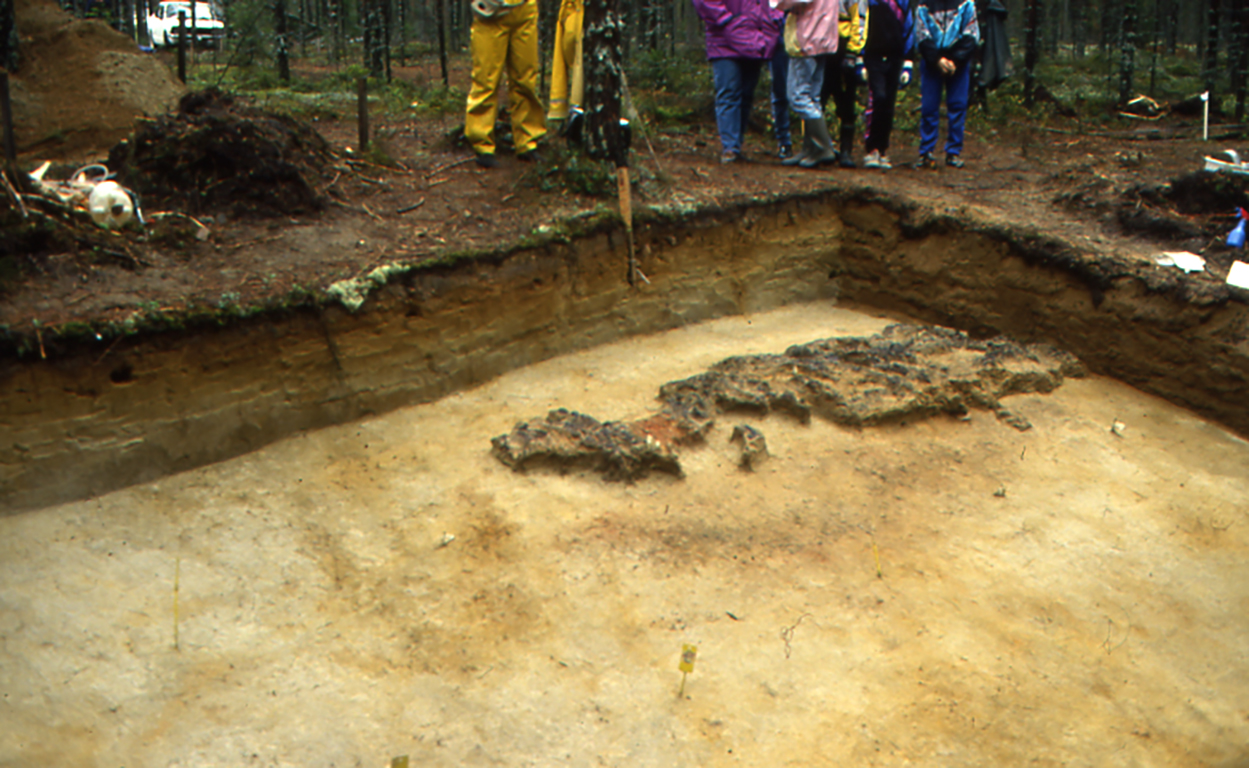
509,40
567,79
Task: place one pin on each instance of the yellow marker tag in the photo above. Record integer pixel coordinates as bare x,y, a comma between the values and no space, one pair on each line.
688,653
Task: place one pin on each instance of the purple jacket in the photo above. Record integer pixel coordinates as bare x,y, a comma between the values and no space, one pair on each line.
745,29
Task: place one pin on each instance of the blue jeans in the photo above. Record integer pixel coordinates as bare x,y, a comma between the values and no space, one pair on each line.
735,80
780,97
806,80
956,88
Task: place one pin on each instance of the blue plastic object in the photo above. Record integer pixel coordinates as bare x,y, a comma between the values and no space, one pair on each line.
1236,238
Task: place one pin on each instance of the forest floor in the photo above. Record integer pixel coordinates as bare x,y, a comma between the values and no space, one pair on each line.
1124,187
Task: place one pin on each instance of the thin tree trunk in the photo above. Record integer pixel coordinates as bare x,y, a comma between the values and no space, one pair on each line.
1241,11
1211,59
440,13
388,23
8,36
374,55
1031,34
1153,59
281,40
1127,55
142,35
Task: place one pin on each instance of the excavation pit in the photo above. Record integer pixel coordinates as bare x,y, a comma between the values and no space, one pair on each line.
286,540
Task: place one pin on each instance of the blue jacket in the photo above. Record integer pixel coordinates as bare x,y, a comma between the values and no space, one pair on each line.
887,35
946,29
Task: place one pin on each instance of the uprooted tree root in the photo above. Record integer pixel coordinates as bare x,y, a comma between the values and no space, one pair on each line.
214,154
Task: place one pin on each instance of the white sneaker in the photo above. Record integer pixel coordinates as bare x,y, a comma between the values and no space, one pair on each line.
884,163
872,159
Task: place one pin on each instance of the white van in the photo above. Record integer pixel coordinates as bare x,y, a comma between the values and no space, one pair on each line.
204,25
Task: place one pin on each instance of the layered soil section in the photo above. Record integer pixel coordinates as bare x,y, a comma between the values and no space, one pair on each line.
87,416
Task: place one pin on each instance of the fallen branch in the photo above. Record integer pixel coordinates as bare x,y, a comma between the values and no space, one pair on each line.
412,207
449,166
401,169
8,185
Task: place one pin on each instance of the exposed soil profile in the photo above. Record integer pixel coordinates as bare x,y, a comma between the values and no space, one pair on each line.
940,592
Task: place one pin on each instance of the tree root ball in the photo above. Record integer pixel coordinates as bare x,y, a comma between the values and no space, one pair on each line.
216,155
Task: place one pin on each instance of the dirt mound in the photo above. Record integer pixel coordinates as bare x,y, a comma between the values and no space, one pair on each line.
903,372
80,84
217,155
1194,208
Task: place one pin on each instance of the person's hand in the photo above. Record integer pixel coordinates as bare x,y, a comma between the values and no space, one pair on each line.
904,79
946,66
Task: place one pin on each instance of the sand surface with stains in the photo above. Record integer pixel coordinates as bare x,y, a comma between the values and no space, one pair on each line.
944,592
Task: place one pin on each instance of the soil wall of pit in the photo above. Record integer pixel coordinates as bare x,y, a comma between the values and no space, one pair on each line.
92,420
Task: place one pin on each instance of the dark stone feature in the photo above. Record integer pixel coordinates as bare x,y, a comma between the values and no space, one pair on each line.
904,372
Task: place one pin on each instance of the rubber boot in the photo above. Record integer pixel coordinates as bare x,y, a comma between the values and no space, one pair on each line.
808,148
846,157
824,152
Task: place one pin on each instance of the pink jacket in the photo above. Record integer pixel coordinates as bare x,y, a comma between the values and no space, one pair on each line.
815,22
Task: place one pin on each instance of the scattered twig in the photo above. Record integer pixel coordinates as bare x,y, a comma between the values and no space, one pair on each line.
369,211
436,182
164,214
401,169
367,180
8,185
449,166
258,241
787,633
412,207
100,359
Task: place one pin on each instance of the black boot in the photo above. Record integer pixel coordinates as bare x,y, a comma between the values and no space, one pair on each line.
846,158
824,153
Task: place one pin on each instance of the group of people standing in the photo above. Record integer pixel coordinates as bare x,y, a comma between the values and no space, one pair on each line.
816,50
819,49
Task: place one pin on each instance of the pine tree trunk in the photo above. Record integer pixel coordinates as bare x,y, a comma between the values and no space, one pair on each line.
374,58
1210,68
441,20
1127,54
604,35
388,23
8,36
141,34
281,40
1240,9
1031,35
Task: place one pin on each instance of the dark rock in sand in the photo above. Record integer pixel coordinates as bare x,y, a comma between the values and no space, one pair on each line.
754,446
901,373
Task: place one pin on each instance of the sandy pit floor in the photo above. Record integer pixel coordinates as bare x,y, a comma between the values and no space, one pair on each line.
941,593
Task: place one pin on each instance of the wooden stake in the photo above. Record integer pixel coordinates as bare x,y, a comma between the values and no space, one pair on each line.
626,213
